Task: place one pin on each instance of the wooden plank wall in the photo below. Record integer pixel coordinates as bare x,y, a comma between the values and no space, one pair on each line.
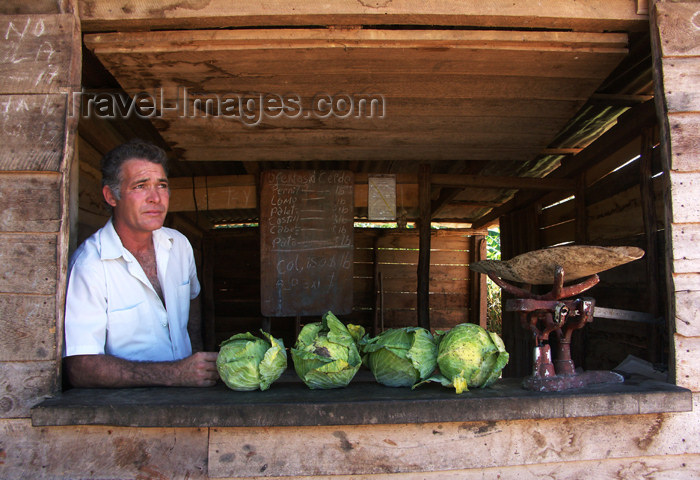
234,257
39,65
676,43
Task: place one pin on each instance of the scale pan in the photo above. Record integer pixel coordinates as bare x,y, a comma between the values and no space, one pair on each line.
578,261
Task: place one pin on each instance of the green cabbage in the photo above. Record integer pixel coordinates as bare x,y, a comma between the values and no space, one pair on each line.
246,362
326,353
400,357
470,356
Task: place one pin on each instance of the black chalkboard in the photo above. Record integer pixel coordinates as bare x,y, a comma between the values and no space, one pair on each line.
306,242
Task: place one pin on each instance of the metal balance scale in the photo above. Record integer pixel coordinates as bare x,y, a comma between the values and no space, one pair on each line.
560,311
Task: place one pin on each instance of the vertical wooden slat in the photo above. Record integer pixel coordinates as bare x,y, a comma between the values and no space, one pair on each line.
209,311
424,248
378,293
477,282
483,300
581,234
650,222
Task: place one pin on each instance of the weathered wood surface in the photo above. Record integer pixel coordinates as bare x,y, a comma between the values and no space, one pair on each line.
665,466
589,16
29,263
686,237
685,138
28,326
364,450
101,452
32,131
20,7
675,36
681,73
687,362
687,314
678,28
544,451
24,384
35,53
684,189
29,202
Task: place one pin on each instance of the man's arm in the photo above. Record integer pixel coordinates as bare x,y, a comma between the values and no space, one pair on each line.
106,371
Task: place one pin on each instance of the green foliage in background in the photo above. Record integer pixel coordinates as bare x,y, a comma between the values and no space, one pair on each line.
493,291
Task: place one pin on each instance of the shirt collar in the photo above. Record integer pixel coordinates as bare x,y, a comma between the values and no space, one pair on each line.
112,247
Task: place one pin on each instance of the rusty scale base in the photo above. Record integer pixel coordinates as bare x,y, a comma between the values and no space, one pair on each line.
554,312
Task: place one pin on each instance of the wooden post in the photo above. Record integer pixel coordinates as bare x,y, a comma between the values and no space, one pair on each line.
208,303
377,289
477,282
651,255
423,304
581,234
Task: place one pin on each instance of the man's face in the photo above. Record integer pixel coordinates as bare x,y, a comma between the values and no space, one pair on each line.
144,197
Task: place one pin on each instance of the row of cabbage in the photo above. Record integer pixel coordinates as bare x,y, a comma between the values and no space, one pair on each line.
328,354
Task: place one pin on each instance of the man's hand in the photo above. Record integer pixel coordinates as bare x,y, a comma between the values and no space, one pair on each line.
198,370
106,371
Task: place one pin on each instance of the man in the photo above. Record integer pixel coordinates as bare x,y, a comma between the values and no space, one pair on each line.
131,284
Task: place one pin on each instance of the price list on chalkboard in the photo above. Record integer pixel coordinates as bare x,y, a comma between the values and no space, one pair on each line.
306,242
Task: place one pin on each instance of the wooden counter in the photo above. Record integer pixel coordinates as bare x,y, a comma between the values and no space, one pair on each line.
364,402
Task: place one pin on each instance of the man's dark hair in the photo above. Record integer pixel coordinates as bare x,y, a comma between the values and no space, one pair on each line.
113,160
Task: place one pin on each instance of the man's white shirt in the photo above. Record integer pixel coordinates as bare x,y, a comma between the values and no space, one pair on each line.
112,308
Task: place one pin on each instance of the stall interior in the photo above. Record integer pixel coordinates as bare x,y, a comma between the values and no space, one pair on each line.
549,135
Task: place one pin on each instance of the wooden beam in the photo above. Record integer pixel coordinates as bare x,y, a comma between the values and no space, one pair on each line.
344,40
226,192
561,151
231,192
423,288
614,99
518,183
377,152
592,15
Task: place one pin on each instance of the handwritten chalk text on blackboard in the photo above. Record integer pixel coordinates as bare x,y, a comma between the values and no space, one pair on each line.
306,228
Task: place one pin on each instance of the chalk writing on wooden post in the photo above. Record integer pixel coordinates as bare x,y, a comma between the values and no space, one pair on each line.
306,242
35,53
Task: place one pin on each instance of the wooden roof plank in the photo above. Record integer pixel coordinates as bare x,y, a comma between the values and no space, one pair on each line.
590,15
323,39
360,153
569,64
446,85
